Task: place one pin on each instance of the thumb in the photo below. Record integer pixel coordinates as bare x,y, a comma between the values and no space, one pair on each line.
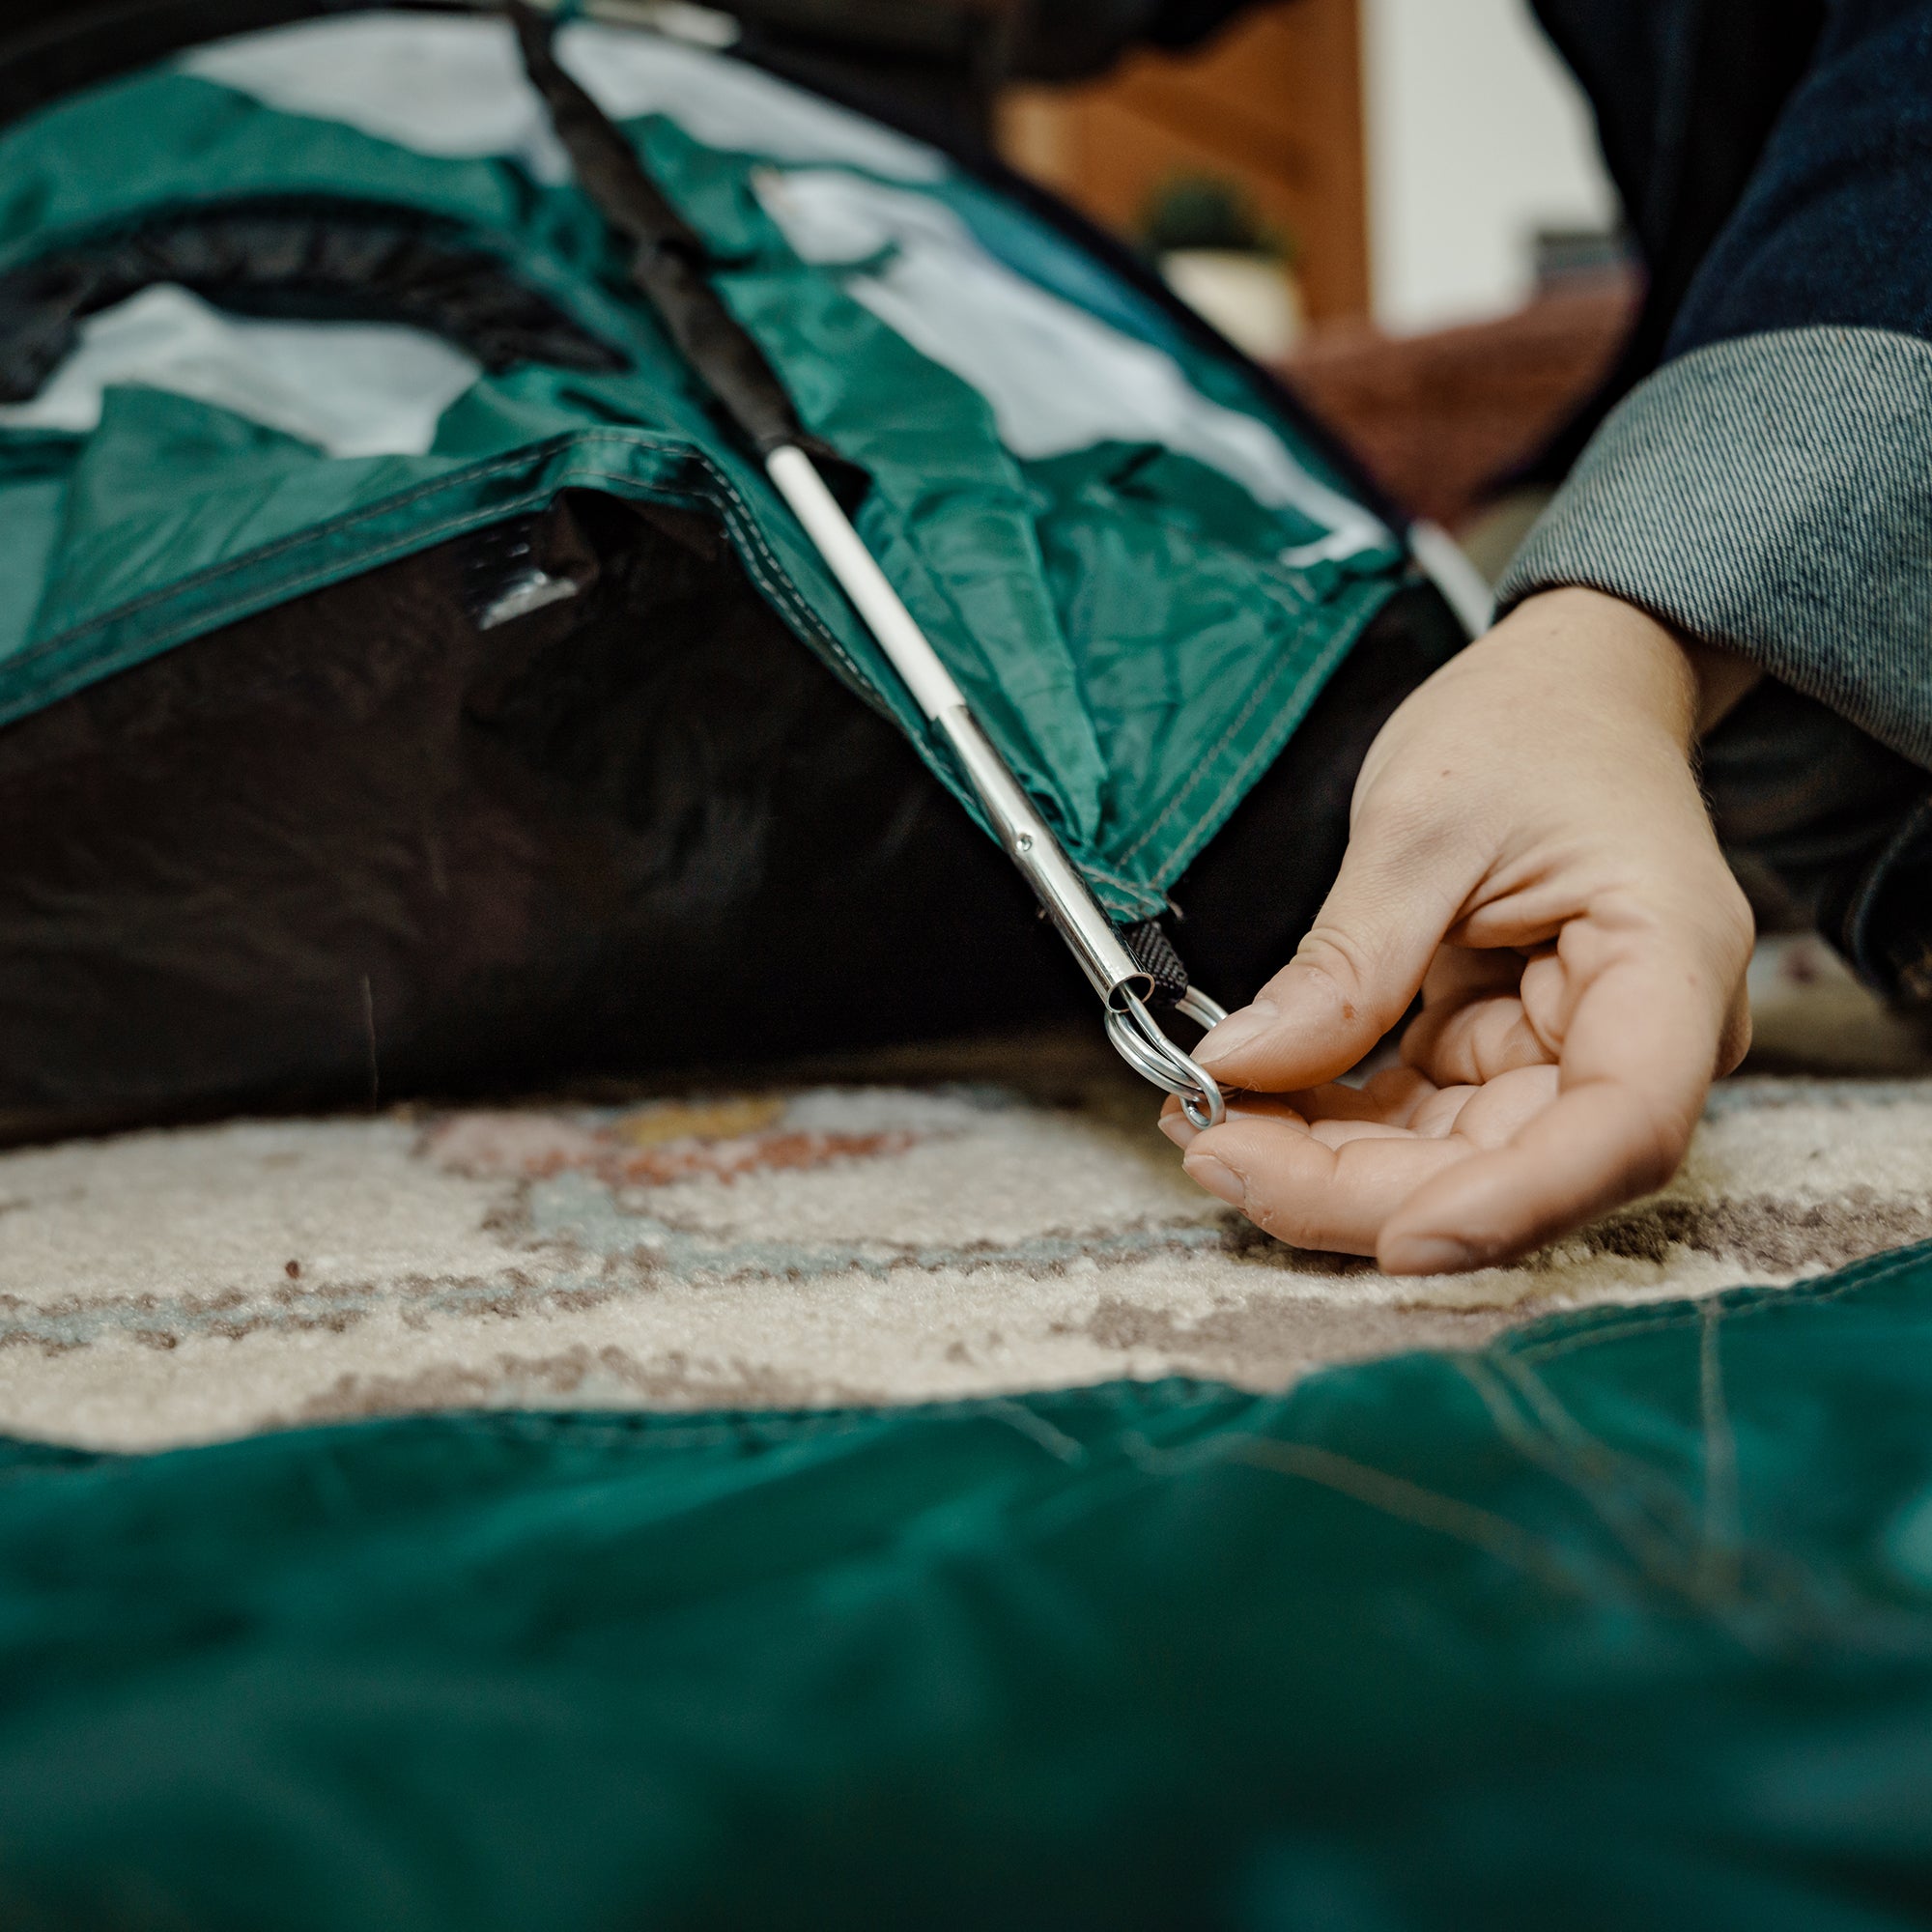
1354,973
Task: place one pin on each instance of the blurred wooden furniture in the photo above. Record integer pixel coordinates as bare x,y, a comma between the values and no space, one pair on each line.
1435,418
1275,105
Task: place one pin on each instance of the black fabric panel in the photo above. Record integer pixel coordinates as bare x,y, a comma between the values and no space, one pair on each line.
357,844
940,65
1073,40
330,263
1805,804
1878,919
638,828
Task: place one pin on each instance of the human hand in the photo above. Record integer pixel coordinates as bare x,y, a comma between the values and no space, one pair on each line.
1529,850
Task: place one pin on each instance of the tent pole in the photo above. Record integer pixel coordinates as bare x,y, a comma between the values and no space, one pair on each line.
1029,841
672,266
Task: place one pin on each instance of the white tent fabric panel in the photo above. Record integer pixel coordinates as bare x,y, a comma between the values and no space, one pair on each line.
1057,378
349,389
455,87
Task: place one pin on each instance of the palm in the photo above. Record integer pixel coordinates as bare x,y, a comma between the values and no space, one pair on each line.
1478,1063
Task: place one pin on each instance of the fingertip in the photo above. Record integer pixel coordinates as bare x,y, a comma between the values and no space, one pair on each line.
1735,1040
1242,1029
1400,1253
1216,1178
1291,1041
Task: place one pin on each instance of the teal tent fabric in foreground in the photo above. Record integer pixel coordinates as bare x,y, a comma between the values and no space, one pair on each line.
1625,1621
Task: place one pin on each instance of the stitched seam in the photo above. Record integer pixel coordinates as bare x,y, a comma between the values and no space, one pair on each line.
761,562
1221,744
208,619
1260,753
786,591
496,466
1766,1300
760,559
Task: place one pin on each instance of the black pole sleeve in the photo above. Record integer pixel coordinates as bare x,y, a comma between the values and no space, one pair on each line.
670,260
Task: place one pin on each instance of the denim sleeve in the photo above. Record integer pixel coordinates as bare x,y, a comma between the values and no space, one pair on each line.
1770,488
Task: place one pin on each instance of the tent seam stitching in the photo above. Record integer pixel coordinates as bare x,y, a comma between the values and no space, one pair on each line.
1239,725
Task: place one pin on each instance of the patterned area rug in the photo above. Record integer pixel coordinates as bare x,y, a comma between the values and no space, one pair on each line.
935,1223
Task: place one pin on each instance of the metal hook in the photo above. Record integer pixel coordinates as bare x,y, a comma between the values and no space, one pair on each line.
1139,1041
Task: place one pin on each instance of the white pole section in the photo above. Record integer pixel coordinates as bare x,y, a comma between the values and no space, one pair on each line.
1029,841
842,547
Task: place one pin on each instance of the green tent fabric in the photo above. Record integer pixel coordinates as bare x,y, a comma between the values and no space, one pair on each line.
1139,629
1626,1620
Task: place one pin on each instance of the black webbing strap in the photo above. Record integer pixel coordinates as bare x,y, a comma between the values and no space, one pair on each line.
492,560
1154,955
670,263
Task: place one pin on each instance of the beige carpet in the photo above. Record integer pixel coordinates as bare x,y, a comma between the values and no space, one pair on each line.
937,1223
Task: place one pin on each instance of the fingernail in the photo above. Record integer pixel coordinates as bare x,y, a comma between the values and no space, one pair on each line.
1217,1178
1178,1128
1432,1254
1236,1031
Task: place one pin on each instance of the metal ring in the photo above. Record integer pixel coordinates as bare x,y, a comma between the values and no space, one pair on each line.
1205,1012
1140,1041
1142,1058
